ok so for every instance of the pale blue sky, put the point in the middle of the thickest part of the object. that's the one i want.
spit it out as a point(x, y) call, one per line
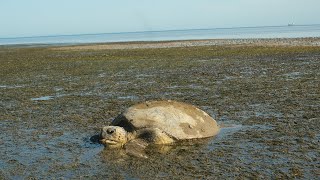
point(22, 18)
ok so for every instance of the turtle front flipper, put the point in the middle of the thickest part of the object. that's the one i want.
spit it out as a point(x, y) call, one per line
point(136, 147)
point(154, 136)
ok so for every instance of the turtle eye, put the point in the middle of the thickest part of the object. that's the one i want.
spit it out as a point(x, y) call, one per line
point(110, 131)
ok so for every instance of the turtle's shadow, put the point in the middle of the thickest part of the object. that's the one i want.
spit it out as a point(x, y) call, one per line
point(95, 138)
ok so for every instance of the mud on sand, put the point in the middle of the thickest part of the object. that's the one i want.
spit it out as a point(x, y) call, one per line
point(266, 94)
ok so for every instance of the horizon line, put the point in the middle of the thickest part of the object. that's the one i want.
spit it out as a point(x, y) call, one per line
point(168, 30)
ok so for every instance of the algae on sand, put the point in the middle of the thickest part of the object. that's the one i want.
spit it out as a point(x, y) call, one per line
point(272, 90)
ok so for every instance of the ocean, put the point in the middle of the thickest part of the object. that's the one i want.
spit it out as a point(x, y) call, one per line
point(294, 31)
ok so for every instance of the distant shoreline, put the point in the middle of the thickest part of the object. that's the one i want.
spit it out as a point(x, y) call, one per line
point(306, 41)
point(266, 32)
point(192, 43)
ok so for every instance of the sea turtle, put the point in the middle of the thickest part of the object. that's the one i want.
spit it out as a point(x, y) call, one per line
point(157, 122)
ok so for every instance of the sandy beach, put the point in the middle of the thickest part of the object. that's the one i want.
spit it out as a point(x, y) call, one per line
point(192, 43)
point(263, 92)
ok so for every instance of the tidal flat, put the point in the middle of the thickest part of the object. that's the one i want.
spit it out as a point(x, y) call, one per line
point(265, 94)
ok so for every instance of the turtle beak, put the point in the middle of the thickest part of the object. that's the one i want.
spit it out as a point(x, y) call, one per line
point(108, 142)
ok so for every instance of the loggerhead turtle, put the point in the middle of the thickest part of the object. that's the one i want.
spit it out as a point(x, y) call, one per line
point(157, 122)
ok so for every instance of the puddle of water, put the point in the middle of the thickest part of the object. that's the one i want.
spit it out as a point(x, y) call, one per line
point(204, 60)
point(226, 78)
point(133, 97)
point(175, 87)
point(10, 87)
point(227, 130)
point(90, 154)
point(230, 127)
point(194, 86)
point(102, 75)
point(191, 86)
point(144, 75)
point(123, 83)
point(43, 98)
point(293, 75)
point(58, 88)
point(46, 98)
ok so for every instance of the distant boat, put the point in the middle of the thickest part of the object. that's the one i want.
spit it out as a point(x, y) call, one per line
point(291, 24)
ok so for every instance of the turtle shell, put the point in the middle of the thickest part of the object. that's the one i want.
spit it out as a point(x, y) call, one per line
point(179, 120)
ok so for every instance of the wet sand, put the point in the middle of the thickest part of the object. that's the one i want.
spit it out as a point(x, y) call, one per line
point(193, 43)
point(265, 93)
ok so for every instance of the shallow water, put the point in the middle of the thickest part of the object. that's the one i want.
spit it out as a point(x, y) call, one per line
point(10, 86)
point(43, 98)
point(217, 33)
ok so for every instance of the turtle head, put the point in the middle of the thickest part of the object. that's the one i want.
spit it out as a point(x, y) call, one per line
point(113, 136)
